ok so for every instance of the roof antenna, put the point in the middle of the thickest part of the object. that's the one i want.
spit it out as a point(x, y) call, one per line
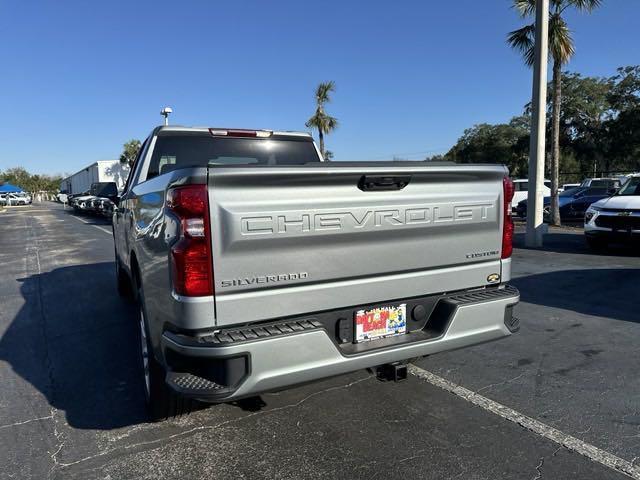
point(165, 112)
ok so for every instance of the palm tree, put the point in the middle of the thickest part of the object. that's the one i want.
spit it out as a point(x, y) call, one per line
point(561, 49)
point(320, 119)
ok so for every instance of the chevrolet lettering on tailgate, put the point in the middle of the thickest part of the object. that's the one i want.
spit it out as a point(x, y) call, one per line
point(301, 222)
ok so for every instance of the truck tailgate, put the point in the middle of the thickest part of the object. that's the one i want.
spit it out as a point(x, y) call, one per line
point(295, 240)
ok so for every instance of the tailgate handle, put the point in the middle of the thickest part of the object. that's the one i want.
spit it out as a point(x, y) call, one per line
point(370, 183)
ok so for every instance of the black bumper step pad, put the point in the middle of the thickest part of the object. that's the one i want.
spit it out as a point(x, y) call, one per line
point(191, 383)
point(483, 295)
point(229, 337)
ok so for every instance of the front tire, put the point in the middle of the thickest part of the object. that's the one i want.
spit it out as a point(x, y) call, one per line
point(162, 402)
point(596, 244)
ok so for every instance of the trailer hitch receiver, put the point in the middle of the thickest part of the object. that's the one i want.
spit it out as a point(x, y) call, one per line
point(395, 372)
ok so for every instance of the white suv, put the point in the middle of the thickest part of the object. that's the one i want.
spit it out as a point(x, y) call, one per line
point(616, 218)
point(17, 199)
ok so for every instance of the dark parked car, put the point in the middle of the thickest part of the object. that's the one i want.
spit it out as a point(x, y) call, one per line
point(573, 203)
point(563, 197)
point(88, 201)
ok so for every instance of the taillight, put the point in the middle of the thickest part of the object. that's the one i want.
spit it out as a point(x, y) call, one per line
point(191, 261)
point(508, 190)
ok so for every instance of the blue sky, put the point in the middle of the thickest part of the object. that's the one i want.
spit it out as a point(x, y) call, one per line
point(79, 78)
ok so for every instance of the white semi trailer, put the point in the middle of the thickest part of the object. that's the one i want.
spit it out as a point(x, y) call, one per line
point(100, 171)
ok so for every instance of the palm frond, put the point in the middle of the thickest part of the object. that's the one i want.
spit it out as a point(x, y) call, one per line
point(561, 44)
point(585, 5)
point(331, 123)
point(525, 8)
point(321, 121)
point(315, 121)
point(324, 90)
point(523, 40)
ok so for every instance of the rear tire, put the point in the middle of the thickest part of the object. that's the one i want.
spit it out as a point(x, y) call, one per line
point(596, 244)
point(162, 402)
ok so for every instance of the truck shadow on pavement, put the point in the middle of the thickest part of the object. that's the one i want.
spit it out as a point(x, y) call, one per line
point(75, 341)
point(608, 292)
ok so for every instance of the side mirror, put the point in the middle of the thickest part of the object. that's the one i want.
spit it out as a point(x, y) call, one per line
point(613, 191)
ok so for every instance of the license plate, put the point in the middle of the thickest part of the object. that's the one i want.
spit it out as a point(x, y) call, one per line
point(380, 322)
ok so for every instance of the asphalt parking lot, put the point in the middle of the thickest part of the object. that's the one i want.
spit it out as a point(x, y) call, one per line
point(71, 401)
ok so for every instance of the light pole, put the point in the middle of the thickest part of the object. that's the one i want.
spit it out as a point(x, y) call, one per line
point(535, 199)
point(165, 112)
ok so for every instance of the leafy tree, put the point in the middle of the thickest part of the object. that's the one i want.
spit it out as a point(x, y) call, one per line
point(561, 48)
point(130, 151)
point(624, 140)
point(17, 176)
point(584, 109)
point(623, 125)
point(31, 183)
point(324, 122)
point(625, 88)
point(599, 129)
point(505, 143)
point(598, 121)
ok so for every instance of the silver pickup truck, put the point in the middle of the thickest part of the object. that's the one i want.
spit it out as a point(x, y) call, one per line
point(256, 265)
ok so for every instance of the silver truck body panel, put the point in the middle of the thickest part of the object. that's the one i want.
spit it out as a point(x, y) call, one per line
point(295, 240)
point(142, 229)
point(297, 300)
point(316, 356)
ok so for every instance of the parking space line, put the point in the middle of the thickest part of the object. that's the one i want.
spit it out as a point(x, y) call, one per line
point(550, 433)
point(11, 210)
point(105, 230)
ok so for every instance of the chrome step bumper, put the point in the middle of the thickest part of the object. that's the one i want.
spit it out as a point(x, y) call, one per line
point(295, 353)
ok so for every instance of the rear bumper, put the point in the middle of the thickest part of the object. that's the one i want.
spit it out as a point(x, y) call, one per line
point(273, 362)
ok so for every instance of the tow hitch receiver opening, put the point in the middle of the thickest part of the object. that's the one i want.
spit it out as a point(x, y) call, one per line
point(395, 372)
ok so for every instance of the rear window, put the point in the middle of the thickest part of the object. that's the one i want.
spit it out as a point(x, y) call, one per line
point(175, 151)
point(605, 183)
point(632, 187)
point(104, 189)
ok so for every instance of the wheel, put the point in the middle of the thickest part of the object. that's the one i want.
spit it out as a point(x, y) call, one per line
point(162, 402)
point(597, 244)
